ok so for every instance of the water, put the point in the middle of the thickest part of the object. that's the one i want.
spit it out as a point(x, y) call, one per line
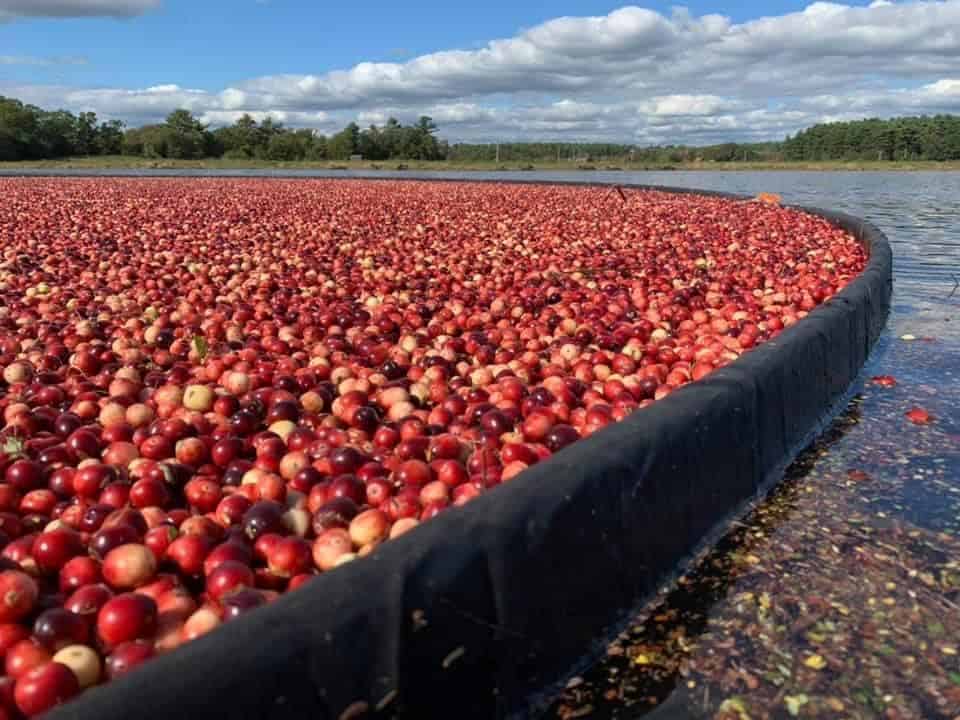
point(839, 596)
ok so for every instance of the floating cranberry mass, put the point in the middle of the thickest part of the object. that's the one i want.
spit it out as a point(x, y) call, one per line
point(215, 390)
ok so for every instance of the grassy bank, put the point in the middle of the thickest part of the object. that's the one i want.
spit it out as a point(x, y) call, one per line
point(138, 163)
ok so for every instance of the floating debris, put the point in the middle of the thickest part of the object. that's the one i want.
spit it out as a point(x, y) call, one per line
point(919, 416)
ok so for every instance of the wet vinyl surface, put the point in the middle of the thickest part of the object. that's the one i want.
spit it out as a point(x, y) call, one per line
point(839, 596)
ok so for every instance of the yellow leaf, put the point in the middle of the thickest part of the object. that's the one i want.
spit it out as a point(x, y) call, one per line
point(735, 705)
point(794, 703)
point(768, 198)
point(641, 660)
point(816, 662)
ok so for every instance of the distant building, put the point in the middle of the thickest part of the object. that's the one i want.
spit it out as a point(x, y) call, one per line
point(356, 157)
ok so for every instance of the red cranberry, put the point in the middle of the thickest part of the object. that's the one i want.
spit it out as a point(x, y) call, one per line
point(45, 687)
point(126, 656)
point(126, 617)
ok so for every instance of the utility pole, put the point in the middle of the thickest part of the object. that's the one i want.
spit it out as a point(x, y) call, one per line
point(498, 153)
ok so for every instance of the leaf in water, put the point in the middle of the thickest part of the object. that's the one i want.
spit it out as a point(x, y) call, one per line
point(735, 705)
point(794, 703)
point(954, 677)
point(815, 662)
point(768, 198)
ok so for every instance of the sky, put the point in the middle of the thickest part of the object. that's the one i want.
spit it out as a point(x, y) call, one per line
point(497, 70)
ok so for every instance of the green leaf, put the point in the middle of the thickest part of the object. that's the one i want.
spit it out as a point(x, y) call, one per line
point(794, 703)
point(13, 447)
point(200, 345)
point(736, 706)
point(954, 677)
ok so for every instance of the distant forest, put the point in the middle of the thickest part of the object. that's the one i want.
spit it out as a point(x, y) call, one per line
point(31, 133)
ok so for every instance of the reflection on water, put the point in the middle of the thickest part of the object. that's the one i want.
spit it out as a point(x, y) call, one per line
point(839, 596)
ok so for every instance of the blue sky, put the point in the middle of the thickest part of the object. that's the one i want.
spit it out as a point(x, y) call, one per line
point(575, 70)
point(190, 43)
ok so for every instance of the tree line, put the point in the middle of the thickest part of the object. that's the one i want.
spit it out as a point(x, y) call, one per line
point(183, 136)
point(934, 137)
point(533, 151)
point(28, 132)
point(31, 133)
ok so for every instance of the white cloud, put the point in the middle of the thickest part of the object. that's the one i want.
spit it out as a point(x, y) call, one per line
point(633, 74)
point(687, 105)
point(943, 88)
point(11, 9)
point(634, 48)
point(35, 61)
point(313, 120)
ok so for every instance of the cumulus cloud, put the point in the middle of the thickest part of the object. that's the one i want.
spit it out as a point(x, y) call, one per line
point(631, 75)
point(11, 9)
point(312, 120)
point(634, 49)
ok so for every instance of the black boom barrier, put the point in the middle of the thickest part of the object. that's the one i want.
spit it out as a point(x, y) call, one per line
point(475, 612)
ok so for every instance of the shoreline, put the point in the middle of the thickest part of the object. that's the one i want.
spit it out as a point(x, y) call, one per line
point(137, 163)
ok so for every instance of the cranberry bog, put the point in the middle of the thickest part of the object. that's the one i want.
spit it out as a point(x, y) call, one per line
point(341, 449)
